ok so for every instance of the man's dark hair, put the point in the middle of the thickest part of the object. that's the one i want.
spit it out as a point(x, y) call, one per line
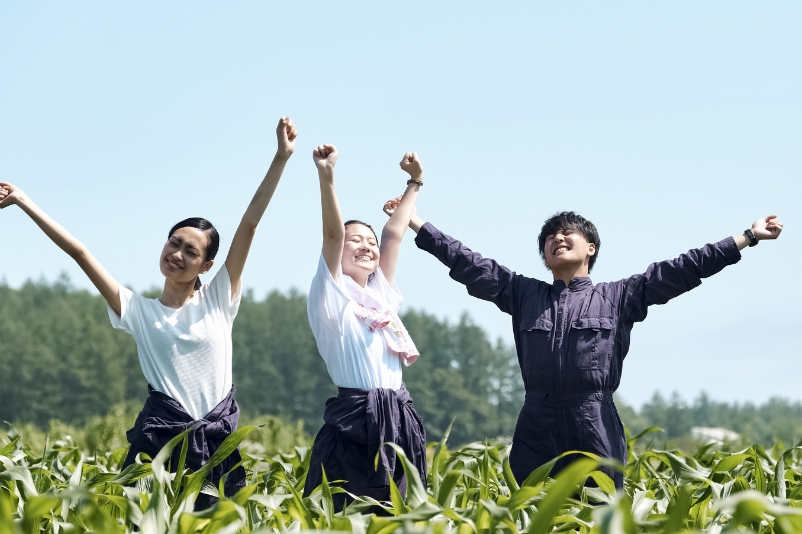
point(568, 221)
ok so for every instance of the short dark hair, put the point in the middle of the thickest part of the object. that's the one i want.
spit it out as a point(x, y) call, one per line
point(355, 221)
point(572, 222)
point(212, 238)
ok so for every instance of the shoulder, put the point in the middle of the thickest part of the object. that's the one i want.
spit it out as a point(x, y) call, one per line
point(530, 286)
point(130, 299)
point(609, 291)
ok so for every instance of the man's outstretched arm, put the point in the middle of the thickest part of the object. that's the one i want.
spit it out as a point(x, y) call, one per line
point(665, 280)
point(484, 278)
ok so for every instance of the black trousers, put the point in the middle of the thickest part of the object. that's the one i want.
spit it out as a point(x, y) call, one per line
point(357, 423)
point(550, 424)
point(162, 418)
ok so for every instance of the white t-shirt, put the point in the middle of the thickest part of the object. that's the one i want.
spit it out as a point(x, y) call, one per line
point(355, 356)
point(185, 352)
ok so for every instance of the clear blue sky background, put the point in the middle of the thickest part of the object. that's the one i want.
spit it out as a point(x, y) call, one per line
point(669, 125)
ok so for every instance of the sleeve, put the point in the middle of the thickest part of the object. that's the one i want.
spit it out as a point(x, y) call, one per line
point(219, 289)
point(484, 278)
point(125, 320)
point(665, 280)
point(389, 292)
point(328, 298)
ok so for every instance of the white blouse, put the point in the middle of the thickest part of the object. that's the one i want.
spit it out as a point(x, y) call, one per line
point(186, 352)
point(355, 356)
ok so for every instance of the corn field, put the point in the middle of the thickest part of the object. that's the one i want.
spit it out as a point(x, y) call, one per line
point(470, 491)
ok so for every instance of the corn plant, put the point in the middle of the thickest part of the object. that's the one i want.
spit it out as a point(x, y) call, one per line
point(471, 490)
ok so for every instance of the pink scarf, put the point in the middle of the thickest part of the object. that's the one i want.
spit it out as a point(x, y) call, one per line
point(377, 315)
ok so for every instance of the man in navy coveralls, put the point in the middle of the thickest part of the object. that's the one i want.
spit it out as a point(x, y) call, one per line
point(572, 335)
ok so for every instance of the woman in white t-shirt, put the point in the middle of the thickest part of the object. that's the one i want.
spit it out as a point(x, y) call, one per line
point(353, 311)
point(183, 337)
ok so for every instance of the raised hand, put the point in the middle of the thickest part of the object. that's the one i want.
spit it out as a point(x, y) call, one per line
point(411, 165)
point(325, 157)
point(767, 228)
point(286, 132)
point(391, 205)
point(10, 195)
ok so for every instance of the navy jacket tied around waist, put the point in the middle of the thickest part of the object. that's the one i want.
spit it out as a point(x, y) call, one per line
point(572, 340)
point(162, 418)
point(367, 419)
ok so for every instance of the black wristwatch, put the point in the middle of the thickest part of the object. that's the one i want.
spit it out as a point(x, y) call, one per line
point(751, 236)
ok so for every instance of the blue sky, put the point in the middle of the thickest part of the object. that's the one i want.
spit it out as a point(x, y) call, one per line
point(668, 125)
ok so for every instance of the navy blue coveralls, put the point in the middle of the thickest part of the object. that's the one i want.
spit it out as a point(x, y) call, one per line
point(571, 342)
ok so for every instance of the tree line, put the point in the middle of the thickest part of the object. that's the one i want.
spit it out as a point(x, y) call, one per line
point(60, 359)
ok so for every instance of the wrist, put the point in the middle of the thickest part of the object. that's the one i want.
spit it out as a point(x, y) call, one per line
point(751, 237)
point(415, 222)
point(282, 155)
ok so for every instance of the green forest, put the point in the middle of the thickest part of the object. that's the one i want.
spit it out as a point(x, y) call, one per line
point(60, 359)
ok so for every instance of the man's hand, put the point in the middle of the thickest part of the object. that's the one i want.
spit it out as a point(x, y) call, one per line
point(391, 205)
point(325, 157)
point(286, 132)
point(768, 228)
point(10, 195)
point(411, 165)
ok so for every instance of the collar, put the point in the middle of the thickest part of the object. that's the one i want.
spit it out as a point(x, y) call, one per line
point(578, 283)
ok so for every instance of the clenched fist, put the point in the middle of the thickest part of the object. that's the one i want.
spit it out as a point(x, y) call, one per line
point(325, 157)
point(411, 165)
point(767, 228)
point(286, 132)
point(10, 195)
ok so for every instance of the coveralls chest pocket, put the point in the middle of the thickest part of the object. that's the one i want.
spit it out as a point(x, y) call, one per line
point(592, 342)
point(536, 337)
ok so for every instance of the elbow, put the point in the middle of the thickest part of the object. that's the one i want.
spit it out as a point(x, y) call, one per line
point(77, 251)
point(249, 220)
point(249, 226)
point(391, 234)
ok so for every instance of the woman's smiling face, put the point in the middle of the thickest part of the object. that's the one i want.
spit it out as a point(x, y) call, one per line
point(360, 251)
point(183, 256)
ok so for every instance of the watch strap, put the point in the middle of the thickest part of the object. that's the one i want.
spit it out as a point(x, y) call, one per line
point(751, 236)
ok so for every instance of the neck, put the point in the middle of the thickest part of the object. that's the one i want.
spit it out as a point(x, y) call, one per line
point(569, 272)
point(176, 294)
point(360, 277)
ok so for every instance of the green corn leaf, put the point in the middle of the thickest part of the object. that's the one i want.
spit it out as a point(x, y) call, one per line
point(604, 482)
point(22, 475)
point(565, 484)
point(447, 488)
point(416, 491)
point(729, 463)
point(519, 499)
point(438, 451)
point(327, 502)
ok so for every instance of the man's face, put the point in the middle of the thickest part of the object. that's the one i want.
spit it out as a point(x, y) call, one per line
point(566, 248)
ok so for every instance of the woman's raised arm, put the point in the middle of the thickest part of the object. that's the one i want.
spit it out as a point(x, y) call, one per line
point(286, 132)
point(393, 231)
point(325, 157)
point(100, 277)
